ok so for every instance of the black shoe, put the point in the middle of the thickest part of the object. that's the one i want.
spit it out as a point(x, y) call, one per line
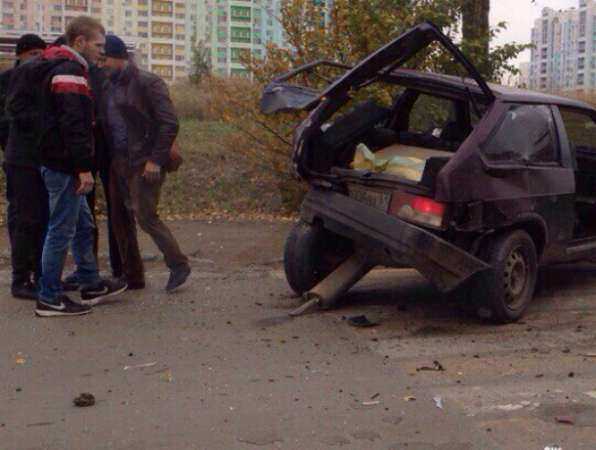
point(64, 307)
point(177, 278)
point(70, 284)
point(24, 291)
point(94, 294)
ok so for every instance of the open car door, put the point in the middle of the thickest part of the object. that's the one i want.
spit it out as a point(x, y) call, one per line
point(281, 95)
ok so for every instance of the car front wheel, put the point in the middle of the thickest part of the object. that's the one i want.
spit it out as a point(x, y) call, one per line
point(504, 292)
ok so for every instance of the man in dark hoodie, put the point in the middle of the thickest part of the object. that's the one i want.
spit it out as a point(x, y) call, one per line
point(25, 191)
point(66, 152)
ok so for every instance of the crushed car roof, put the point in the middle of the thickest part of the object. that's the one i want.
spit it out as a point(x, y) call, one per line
point(503, 93)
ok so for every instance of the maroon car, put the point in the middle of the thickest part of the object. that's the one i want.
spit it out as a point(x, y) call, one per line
point(473, 184)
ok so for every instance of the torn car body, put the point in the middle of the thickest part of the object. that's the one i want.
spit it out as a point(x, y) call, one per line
point(463, 180)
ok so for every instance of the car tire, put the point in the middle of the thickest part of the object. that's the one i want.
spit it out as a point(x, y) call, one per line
point(311, 253)
point(503, 293)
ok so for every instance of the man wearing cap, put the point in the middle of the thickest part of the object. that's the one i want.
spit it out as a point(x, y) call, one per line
point(25, 190)
point(141, 126)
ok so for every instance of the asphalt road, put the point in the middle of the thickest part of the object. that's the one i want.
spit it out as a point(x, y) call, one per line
point(221, 366)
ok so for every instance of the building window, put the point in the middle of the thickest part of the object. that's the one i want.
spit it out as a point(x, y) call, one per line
point(581, 47)
point(240, 34)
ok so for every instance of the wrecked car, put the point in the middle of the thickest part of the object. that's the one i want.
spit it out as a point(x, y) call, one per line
point(475, 185)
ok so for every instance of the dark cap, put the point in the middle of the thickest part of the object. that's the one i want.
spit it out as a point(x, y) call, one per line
point(115, 47)
point(60, 40)
point(29, 42)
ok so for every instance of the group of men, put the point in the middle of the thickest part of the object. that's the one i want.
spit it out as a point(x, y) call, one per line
point(73, 111)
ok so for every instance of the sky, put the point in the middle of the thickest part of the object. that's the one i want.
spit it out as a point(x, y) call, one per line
point(520, 15)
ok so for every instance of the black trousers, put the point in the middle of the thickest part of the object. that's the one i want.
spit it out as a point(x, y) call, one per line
point(27, 212)
point(115, 258)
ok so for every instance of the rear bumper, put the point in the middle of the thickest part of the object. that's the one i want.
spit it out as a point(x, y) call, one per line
point(444, 264)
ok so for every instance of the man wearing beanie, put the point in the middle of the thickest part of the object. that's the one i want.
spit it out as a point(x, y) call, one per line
point(25, 191)
point(141, 126)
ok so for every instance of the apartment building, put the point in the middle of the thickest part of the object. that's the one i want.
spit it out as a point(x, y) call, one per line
point(232, 28)
point(564, 53)
point(161, 30)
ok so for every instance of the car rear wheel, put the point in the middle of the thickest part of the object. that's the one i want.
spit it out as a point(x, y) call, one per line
point(504, 292)
point(311, 253)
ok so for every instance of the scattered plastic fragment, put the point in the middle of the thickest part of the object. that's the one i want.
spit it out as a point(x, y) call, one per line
point(361, 322)
point(410, 398)
point(85, 399)
point(373, 403)
point(436, 367)
point(375, 396)
point(167, 376)
point(438, 402)
point(568, 420)
point(553, 447)
point(141, 366)
point(591, 394)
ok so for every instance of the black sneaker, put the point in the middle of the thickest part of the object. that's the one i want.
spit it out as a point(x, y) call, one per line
point(64, 307)
point(177, 278)
point(94, 294)
point(24, 291)
point(70, 284)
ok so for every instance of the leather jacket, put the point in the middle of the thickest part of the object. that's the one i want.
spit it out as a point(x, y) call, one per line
point(151, 122)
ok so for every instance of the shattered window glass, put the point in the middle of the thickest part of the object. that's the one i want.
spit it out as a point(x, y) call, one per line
point(581, 129)
point(527, 135)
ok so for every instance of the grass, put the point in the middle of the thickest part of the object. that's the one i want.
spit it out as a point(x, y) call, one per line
point(213, 181)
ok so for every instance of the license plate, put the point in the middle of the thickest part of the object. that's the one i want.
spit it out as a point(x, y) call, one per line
point(376, 199)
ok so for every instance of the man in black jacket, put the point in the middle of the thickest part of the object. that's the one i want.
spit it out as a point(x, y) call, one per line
point(141, 126)
point(25, 191)
point(67, 158)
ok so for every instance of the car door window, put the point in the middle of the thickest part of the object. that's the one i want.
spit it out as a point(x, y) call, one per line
point(525, 135)
point(430, 115)
point(581, 130)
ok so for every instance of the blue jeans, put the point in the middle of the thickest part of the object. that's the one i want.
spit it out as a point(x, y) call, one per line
point(70, 222)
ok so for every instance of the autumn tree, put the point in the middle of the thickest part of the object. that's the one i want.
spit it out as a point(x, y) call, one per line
point(354, 29)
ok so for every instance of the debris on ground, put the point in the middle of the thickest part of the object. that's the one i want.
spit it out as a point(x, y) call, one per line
point(373, 403)
point(591, 394)
point(361, 321)
point(85, 399)
point(167, 376)
point(588, 355)
point(141, 366)
point(375, 396)
point(438, 402)
point(553, 447)
point(20, 360)
point(410, 398)
point(568, 420)
point(436, 367)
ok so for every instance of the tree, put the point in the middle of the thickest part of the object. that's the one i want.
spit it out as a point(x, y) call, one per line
point(476, 28)
point(200, 63)
point(355, 29)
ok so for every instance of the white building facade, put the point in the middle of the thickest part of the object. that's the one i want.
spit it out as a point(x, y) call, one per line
point(564, 53)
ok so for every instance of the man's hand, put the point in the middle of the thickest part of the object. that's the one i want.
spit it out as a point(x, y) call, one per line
point(86, 183)
point(152, 172)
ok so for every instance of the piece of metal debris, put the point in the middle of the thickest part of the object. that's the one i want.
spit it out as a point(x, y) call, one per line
point(361, 322)
point(568, 420)
point(85, 399)
point(436, 367)
point(410, 398)
point(141, 366)
point(373, 403)
point(438, 402)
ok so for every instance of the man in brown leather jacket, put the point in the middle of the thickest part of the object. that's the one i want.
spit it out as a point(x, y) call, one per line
point(140, 128)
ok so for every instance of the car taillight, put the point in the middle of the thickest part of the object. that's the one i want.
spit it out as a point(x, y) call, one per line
point(418, 209)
